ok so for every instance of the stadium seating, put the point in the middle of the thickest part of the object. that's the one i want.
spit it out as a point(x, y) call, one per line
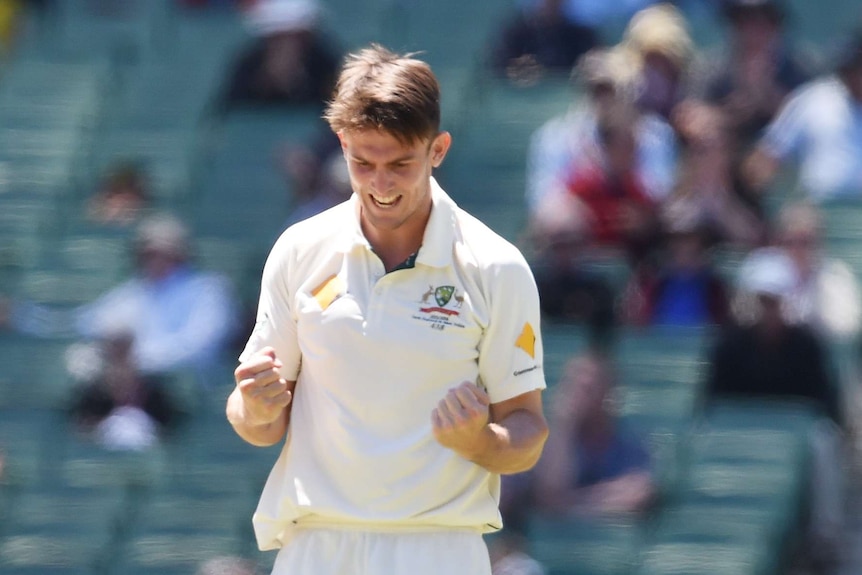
point(67, 530)
point(86, 89)
point(585, 547)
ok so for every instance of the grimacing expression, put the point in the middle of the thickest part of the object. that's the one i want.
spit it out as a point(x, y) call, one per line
point(392, 178)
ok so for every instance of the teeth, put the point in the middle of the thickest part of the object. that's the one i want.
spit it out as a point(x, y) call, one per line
point(386, 202)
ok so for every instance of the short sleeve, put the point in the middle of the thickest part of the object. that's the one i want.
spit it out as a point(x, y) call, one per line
point(510, 352)
point(275, 324)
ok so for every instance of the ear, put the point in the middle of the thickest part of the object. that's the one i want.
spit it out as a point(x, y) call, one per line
point(341, 140)
point(439, 148)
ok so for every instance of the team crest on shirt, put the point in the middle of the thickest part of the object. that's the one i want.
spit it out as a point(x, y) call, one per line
point(440, 306)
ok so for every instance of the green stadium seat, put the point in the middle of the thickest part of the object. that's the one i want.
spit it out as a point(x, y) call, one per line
point(166, 155)
point(662, 354)
point(584, 547)
point(82, 463)
point(23, 387)
point(25, 442)
point(711, 558)
point(710, 523)
point(667, 405)
point(561, 342)
point(777, 487)
point(61, 531)
point(796, 416)
point(68, 287)
point(177, 527)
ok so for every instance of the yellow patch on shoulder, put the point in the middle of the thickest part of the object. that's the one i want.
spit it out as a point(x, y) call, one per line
point(325, 293)
point(527, 340)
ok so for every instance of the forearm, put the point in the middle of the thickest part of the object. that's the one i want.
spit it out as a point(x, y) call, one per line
point(261, 435)
point(511, 445)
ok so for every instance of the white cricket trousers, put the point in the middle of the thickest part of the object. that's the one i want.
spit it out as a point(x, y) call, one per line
point(325, 551)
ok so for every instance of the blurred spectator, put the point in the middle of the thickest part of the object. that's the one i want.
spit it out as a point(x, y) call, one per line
point(683, 288)
point(179, 317)
point(569, 290)
point(751, 81)
point(539, 40)
point(227, 565)
point(826, 295)
point(706, 188)
point(619, 211)
point(290, 62)
point(592, 464)
point(122, 196)
point(318, 177)
point(120, 407)
point(768, 357)
point(820, 127)
point(659, 41)
point(766, 354)
point(597, 14)
point(565, 142)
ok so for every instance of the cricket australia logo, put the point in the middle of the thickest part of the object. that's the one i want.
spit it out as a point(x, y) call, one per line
point(441, 306)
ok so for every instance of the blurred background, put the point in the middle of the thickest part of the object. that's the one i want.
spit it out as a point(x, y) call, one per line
point(685, 179)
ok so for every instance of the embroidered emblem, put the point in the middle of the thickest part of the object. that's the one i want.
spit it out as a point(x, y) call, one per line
point(440, 306)
point(328, 291)
point(527, 340)
point(443, 294)
point(427, 294)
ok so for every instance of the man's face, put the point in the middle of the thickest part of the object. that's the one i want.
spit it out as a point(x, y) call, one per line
point(755, 28)
point(391, 178)
point(156, 264)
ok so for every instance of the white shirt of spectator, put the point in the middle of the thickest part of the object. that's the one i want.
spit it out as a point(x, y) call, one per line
point(821, 125)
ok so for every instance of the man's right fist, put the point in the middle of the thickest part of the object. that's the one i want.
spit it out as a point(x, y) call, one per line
point(265, 393)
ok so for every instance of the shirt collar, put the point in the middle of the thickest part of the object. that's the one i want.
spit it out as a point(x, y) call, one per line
point(436, 249)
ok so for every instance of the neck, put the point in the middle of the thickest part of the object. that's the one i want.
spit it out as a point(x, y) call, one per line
point(395, 246)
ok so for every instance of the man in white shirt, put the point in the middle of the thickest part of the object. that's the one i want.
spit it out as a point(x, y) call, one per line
point(566, 143)
point(398, 350)
point(179, 318)
point(821, 127)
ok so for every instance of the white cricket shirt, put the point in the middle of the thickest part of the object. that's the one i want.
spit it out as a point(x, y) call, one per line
point(373, 353)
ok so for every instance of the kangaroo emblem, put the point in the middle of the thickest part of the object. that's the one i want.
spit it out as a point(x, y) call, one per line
point(427, 294)
point(459, 300)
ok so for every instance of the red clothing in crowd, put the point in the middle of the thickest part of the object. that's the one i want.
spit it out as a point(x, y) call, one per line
point(607, 200)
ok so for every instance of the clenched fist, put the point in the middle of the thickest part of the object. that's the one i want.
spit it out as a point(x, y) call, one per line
point(265, 394)
point(460, 419)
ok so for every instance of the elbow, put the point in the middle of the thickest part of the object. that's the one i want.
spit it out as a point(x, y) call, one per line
point(542, 434)
point(537, 445)
point(266, 436)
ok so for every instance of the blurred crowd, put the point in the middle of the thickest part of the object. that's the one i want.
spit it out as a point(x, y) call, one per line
point(705, 178)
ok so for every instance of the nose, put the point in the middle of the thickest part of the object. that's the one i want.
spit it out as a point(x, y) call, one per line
point(382, 181)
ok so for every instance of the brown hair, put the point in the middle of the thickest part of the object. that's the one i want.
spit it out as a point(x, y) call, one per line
point(386, 91)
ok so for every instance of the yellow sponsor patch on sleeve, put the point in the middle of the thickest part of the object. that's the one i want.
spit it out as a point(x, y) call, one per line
point(527, 340)
point(325, 293)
